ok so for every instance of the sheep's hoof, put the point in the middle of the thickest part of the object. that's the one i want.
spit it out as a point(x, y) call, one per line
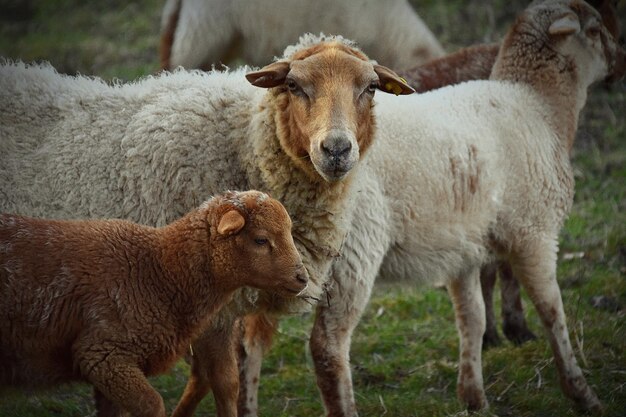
point(518, 334)
point(491, 339)
point(472, 397)
point(592, 404)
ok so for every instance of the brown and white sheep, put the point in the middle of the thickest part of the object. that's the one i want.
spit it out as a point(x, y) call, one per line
point(202, 33)
point(144, 151)
point(111, 302)
point(476, 63)
point(462, 172)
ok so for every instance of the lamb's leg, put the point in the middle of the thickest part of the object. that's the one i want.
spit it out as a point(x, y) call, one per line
point(487, 284)
point(535, 267)
point(513, 322)
point(258, 331)
point(470, 319)
point(123, 385)
point(106, 408)
point(213, 366)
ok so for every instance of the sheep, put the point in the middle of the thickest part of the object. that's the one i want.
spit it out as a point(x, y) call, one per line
point(464, 171)
point(202, 33)
point(475, 63)
point(111, 302)
point(77, 147)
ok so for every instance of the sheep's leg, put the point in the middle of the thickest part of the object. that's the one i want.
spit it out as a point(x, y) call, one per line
point(120, 386)
point(330, 340)
point(213, 367)
point(470, 319)
point(487, 284)
point(338, 314)
point(536, 269)
point(513, 322)
point(258, 331)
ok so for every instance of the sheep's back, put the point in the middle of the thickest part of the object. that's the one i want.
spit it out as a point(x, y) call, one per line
point(147, 151)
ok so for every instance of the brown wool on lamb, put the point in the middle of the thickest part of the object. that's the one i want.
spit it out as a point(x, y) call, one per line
point(110, 302)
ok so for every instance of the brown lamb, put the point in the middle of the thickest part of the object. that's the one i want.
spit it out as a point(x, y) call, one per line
point(110, 302)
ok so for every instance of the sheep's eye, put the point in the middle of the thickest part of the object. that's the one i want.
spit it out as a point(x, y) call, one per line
point(593, 31)
point(292, 86)
point(372, 87)
point(260, 241)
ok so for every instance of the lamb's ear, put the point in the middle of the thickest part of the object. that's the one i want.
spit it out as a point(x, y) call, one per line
point(567, 24)
point(390, 82)
point(270, 75)
point(230, 223)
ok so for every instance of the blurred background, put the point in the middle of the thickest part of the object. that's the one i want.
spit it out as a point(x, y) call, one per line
point(405, 351)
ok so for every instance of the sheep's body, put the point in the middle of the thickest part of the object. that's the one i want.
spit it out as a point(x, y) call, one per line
point(155, 126)
point(467, 64)
point(109, 301)
point(475, 63)
point(476, 196)
point(198, 33)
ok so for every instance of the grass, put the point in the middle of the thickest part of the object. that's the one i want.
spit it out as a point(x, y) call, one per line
point(404, 352)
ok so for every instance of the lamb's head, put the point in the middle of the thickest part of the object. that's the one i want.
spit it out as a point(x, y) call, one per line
point(585, 38)
point(324, 95)
point(252, 243)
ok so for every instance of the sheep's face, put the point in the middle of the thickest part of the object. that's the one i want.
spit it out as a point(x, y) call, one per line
point(324, 97)
point(587, 38)
point(256, 245)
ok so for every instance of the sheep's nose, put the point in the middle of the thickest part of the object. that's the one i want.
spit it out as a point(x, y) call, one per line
point(336, 146)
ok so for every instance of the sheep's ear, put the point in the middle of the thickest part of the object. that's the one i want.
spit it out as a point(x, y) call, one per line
point(271, 75)
point(390, 82)
point(230, 223)
point(565, 25)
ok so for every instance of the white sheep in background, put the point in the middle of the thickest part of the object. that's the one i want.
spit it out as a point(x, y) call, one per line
point(462, 172)
point(149, 151)
point(475, 63)
point(110, 302)
point(202, 33)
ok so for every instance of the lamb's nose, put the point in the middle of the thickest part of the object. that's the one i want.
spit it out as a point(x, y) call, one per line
point(336, 146)
point(302, 277)
point(301, 274)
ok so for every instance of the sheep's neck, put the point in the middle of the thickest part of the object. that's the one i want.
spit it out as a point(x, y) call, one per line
point(319, 208)
point(188, 285)
point(528, 60)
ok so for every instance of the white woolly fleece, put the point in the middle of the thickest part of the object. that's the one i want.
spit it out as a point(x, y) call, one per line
point(213, 31)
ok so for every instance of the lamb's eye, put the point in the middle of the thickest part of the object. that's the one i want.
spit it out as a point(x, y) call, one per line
point(372, 87)
point(260, 241)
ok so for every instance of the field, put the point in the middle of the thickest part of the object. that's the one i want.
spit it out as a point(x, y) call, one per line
point(405, 350)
